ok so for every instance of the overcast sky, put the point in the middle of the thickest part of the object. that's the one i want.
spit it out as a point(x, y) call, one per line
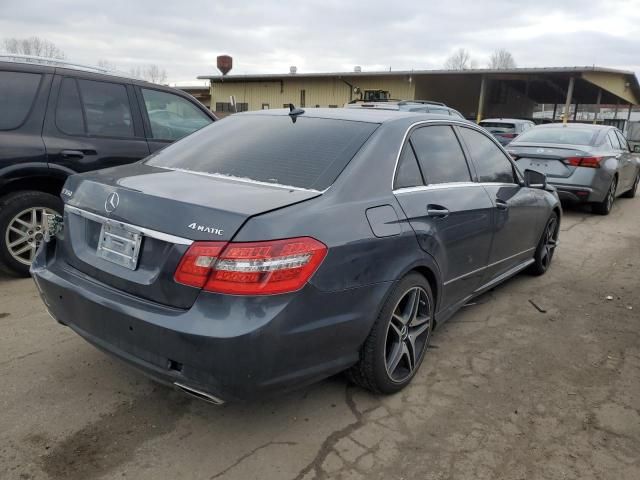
point(184, 37)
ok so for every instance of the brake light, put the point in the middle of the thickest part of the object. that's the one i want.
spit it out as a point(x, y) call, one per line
point(251, 268)
point(589, 162)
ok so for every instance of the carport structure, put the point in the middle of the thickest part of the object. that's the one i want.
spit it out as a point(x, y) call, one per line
point(476, 93)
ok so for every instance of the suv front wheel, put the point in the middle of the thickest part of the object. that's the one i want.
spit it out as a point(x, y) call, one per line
point(22, 228)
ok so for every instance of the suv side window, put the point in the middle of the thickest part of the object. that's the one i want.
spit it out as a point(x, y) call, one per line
point(440, 155)
point(106, 109)
point(408, 173)
point(171, 116)
point(17, 94)
point(69, 118)
point(492, 165)
point(623, 141)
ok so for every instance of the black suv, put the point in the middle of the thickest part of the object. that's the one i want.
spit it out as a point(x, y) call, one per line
point(56, 121)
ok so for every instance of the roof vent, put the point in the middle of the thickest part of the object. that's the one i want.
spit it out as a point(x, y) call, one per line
point(357, 69)
point(293, 69)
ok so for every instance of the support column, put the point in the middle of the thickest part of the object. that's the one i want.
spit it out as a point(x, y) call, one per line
point(598, 101)
point(555, 109)
point(626, 125)
point(567, 103)
point(483, 88)
point(615, 111)
point(575, 113)
point(212, 104)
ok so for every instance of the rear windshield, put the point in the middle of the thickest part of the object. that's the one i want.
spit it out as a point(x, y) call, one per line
point(505, 126)
point(563, 135)
point(17, 93)
point(308, 153)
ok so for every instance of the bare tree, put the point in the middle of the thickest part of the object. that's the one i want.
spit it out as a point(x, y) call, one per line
point(33, 46)
point(501, 59)
point(107, 65)
point(151, 73)
point(460, 60)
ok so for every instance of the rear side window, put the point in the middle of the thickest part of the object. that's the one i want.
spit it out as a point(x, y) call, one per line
point(440, 155)
point(106, 109)
point(408, 172)
point(17, 94)
point(562, 135)
point(171, 116)
point(623, 141)
point(492, 165)
point(307, 153)
point(613, 140)
point(69, 117)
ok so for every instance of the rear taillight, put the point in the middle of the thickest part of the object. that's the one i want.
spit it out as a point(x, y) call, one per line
point(508, 135)
point(251, 268)
point(589, 162)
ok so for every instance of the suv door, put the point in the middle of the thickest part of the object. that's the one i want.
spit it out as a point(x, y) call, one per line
point(627, 164)
point(450, 214)
point(516, 209)
point(169, 116)
point(92, 124)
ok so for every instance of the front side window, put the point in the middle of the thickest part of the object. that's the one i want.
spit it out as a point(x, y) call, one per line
point(440, 155)
point(106, 109)
point(17, 94)
point(492, 165)
point(171, 116)
point(408, 173)
point(309, 153)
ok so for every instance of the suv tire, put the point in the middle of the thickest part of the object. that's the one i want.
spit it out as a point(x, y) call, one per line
point(18, 212)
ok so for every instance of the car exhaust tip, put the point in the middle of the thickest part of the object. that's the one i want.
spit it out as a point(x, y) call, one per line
point(194, 392)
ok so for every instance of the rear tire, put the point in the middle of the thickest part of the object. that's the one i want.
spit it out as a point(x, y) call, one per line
point(546, 246)
point(632, 192)
point(22, 228)
point(604, 207)
point(394, 350)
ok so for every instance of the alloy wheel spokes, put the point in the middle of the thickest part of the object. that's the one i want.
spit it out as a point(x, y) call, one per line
point(408, 332)
point(25, 233)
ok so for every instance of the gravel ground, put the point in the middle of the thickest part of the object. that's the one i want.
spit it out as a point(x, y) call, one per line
point(506, 392)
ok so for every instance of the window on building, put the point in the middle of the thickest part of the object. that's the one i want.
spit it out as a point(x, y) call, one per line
point(265, 106)
point(17, 94)
point(333, 106)
point(227, 107)
point(440, 155)
point(492, 165)
point(303, 98)
point(376, 95)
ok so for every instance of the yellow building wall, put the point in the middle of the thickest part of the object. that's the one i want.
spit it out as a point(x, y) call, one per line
point(318, 91)
point(614, 83)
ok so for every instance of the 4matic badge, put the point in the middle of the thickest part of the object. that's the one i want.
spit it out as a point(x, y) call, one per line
point(203, 228)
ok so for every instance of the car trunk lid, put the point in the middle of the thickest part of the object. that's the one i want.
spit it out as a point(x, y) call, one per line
point(548, 159)
point(160, 212)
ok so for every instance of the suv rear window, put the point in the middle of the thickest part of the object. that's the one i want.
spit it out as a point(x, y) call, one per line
point(307, 153)
point(563, 135)
point(17, 93)
point(496, 125)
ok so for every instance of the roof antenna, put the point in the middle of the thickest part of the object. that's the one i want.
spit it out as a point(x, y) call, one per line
point(294, 112)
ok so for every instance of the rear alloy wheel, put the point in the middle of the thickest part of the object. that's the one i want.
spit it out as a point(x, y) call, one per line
point(604, 207)
point(546, 246)
point(632, 192)
point(396, 346)
point(22, 228)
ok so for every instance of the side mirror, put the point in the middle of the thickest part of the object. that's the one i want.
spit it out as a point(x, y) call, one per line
point(533, 179)
point(636, 148)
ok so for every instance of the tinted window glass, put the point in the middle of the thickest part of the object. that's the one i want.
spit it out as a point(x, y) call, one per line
point(171, 116)
point(565, 135)
point(309, 153)
point(69, 109)
point(623, 141)
point(106, 108)
point(491, 164)
point(17, 93)
point(613, 140)
point(408, 174)
point(498, 126)
point(440, 155)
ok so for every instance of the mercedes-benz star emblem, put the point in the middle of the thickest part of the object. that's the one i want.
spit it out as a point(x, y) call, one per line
point(111, 203)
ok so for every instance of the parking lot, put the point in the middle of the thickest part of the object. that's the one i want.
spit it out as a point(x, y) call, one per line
point(537, 379)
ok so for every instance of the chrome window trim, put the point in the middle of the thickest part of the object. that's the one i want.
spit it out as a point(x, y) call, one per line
point(165, 237)
point(441, 186)
point(449, 122)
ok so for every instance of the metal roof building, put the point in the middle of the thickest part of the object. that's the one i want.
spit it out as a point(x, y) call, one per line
point(477, 93)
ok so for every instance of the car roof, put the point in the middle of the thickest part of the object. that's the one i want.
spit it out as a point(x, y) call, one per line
point(505, 120)
point(359, 114)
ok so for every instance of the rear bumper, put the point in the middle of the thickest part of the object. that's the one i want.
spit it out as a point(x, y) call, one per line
point(235, 348)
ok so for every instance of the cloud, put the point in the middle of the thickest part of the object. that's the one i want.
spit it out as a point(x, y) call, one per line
point(185, 37)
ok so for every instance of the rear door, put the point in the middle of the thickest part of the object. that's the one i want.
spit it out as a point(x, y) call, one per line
point(627, 164)
point(169, 116)
point(450, 214)
point(516, 209)
point(92, 123)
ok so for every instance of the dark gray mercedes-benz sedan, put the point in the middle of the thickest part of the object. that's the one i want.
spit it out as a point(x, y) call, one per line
point(276, 248)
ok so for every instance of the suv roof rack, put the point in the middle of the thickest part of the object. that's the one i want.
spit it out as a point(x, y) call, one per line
point(54, 62)
point(422, 102)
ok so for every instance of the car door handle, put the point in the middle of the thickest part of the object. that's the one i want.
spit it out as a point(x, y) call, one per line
point(72, 154)
point(437, 211)
point(501, 204)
